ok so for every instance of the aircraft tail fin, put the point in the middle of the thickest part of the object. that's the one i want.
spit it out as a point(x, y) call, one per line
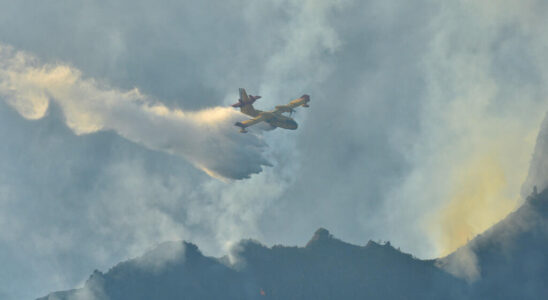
point(245, 103)
point(243, 96)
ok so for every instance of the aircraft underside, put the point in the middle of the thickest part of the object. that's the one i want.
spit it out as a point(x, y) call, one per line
point(286, 124)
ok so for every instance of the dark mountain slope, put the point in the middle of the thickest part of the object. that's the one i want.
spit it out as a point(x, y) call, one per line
point(509, 261)
point(326, 268)
point(173, 270)
point(511, 258)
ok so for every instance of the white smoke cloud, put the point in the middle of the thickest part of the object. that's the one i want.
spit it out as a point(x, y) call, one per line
point(129, 208)
point(467, 113)
point(161, 256)
point(478, 116)
point(463, 264)
point(206, 138)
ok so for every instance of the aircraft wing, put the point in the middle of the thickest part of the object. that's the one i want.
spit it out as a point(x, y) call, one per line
point(299, 101)
point(243, 125)
point(302, 101)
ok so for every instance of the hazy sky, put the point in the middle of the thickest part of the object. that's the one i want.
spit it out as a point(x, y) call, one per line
point(422, 124)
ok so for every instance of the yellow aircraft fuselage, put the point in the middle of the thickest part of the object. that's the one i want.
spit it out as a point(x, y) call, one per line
point(275, 118)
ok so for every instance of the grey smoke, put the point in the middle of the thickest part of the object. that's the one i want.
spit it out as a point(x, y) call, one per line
point(370, 158)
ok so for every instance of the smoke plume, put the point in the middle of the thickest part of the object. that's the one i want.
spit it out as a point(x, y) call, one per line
point(206, 138)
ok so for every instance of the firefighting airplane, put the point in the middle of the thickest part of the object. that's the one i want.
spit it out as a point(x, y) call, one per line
point(274, 117)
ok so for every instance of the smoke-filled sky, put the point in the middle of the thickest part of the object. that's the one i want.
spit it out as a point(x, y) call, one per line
point(115, 133)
